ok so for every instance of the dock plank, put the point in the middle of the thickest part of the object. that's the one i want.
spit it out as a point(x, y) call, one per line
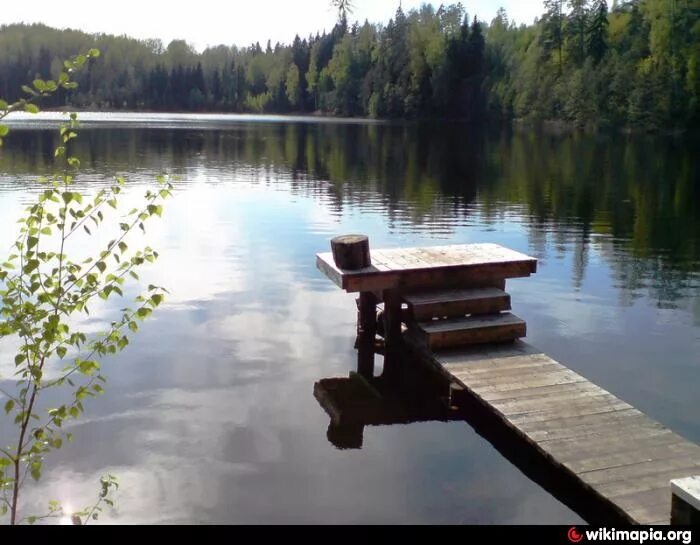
point(641, 455)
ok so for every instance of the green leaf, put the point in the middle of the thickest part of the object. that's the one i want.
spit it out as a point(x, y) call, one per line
point(8, 407)
point(88, 367)
point(61, 351)
point(4, 129)
point(101, 266)
point(31, 265)
point(35, 470)
point(31, 108)
point(19, 358)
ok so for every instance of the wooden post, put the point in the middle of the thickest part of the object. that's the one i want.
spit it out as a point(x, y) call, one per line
point(685, 501)
point(367, 333)
point(351, 252)
point(392, 333)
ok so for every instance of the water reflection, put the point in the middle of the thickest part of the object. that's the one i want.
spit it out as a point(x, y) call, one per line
point(420, 396)
point(209, 416)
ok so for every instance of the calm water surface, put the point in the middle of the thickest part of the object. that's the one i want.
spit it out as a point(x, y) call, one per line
point(209, 415)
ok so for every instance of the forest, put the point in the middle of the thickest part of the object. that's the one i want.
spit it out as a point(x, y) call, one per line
point(632, 64)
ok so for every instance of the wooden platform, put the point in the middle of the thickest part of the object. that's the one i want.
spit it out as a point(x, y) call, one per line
point(439, 266)
point(612, 449)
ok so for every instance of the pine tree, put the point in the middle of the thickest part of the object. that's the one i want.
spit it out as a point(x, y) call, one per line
point(552, 29)
point(598, 30)
point(577, 22)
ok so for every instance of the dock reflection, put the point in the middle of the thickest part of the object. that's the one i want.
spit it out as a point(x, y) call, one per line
point(355, 402)
point(420, 395)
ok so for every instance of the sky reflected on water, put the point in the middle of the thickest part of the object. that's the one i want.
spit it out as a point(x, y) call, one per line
point(209, 415)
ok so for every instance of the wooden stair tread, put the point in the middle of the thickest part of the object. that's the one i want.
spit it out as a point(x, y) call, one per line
point(464, 331)
point(456, 302)
point(470, 322)
point(418, 298)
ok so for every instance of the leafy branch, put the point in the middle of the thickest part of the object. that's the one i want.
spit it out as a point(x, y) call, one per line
point(43, 291)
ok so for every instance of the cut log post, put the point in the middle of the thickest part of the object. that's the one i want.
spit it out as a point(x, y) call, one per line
point(351, 252)
point(685, 501)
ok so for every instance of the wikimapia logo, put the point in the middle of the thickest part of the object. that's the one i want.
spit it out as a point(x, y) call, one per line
point(635, 536)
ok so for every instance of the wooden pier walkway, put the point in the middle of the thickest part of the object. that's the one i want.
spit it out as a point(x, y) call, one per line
point(447, 307)
point(614, 450)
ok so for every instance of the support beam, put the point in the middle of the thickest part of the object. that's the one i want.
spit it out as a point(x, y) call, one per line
point(392, 333)
point(367, 333)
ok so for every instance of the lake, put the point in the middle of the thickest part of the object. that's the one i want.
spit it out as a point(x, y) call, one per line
point(209, 415)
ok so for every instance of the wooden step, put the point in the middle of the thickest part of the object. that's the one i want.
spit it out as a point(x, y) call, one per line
point(490, 328)
point(457, 302)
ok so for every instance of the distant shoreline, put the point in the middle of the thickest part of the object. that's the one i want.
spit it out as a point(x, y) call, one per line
point(548, 126)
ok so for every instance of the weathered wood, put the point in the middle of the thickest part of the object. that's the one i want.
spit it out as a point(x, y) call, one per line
point(452, 303)
point(602, 450)
point(351, 252)
point(647, 482)
point(641, 455)
point(683, 462)
point(470, 330)
point(475, 265)
point(367, 332)
point(612, 450)
point(685, 503)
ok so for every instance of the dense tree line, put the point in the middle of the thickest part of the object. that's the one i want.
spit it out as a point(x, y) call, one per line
point(634, 64)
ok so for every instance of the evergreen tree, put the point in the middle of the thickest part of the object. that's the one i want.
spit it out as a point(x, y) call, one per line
point(598, 30)
point(552, 36)
point(576, 27)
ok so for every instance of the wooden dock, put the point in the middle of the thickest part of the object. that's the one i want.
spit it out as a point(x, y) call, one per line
point(612, 449)
point(447, 308)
